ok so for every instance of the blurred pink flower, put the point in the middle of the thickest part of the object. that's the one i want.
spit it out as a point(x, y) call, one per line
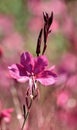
point(67, 104)
point(9, 53)
point(67, 25)
point(32, 69)
point(37, 7)
point(6, 25)
point(68, 71)
point(62, 99)
point(69, 118)
point(13, 42)
point(54, 27)
point(32, 26)
point(66, 101)
point(4, 77)
point(68, 63)
point(72, 82)
point(6, 115)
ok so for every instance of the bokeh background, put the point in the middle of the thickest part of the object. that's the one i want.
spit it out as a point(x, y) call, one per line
point(20, 24)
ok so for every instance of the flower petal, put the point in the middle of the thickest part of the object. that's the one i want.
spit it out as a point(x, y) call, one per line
point(6, 114)
point(22, 71)
point(13, 70)
point(27, 61)
point(47, 81)
point(40, 63)
point(15, 73)
point(47, 77)
point(47, 73)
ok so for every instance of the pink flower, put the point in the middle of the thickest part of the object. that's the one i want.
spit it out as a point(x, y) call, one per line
point(32, 22)
point(6, 114)
point(68, 109)
point(37, 7)
point(32, 69)
point(13, 42)
point(68, 63)
point(62, 99)
point(39, 21)
point(4, 80)
point(6, 25)
point(72, 82)
point(66, 101)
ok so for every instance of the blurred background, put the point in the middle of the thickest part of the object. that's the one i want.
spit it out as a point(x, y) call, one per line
point(20, 24)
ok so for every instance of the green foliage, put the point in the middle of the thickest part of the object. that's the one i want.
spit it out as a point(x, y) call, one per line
point(57, 45)
point(16, 9)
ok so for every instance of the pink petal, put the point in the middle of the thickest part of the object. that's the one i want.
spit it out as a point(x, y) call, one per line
point(62, 99)
point(6, 114)
point(47, 81)
point(27, 61)
point(22, 70)
point(22, 79)
point(47, 77)
point(47, 73)
point(40, 63)
point(13, 70)
point(14, 73)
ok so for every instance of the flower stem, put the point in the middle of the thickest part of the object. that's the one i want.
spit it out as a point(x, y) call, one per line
point(25, 120)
